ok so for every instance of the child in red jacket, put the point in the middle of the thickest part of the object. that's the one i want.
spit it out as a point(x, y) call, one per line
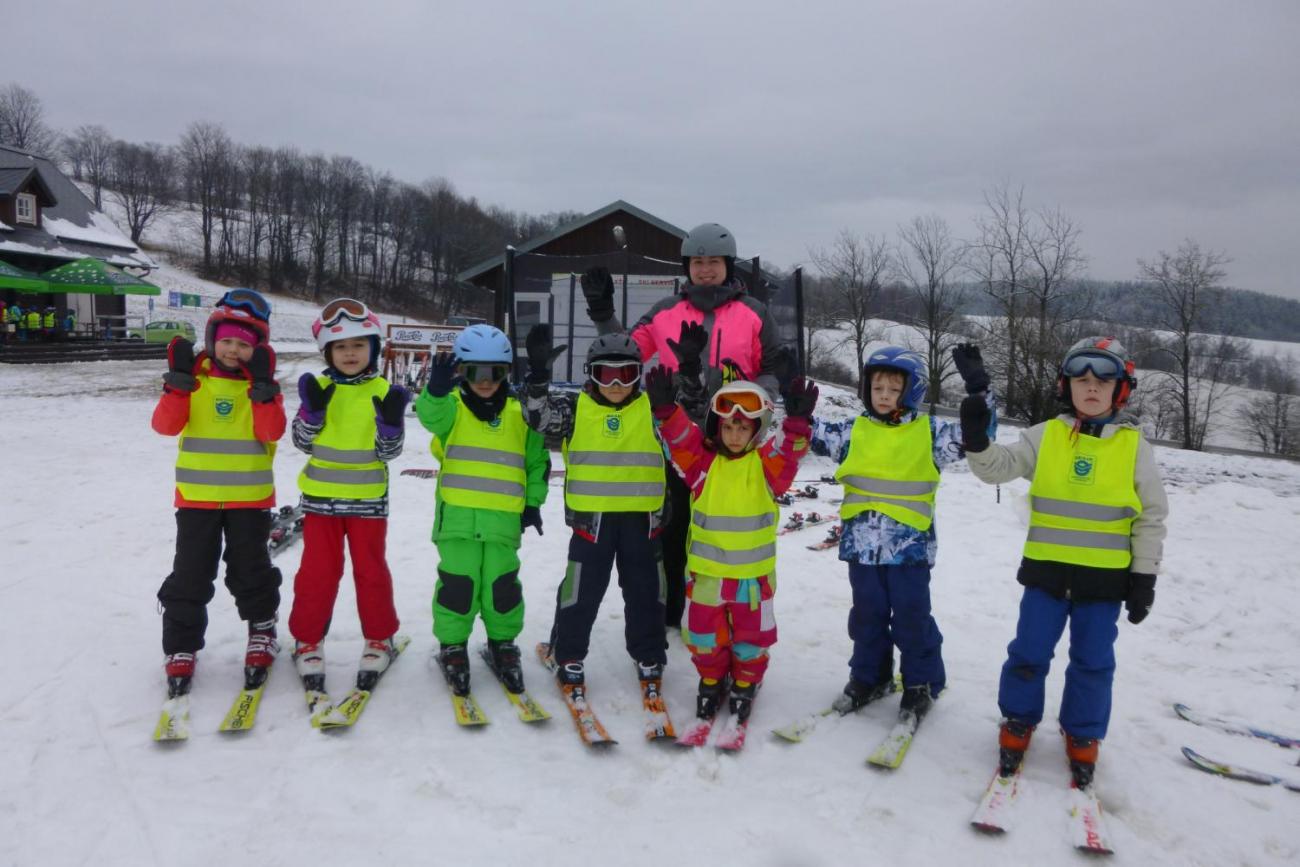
point(733, 475)
point(226, 406)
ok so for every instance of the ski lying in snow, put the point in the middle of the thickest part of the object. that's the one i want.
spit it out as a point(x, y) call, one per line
point(795, 731)
point(243, 710)
point(832, 539)
point(894, 747)
point(658, 726)
point(286, 528)
point(799, 521)
point(1235, 772)
point(526, 707)
point(174, 721)
point(465, 707)
point(1235, 728)
point(1087, 832)
point(591, 731)
point(993, 814)
point(346, 713)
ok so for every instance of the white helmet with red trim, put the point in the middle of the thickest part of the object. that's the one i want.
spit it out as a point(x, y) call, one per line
point(740, 396)
point(343, 318)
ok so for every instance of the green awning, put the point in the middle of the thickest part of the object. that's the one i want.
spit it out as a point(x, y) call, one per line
point(91, 276)
point(12, 277)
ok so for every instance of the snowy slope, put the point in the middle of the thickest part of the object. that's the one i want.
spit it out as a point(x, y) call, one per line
point(89, 537)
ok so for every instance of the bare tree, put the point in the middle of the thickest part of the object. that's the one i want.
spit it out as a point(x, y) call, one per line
point(928, 256)
point(142, 182)
point(205, 152)
point(854, 269)
point(1188, 282)
point(1273, 418)
point(22, 121)
point(91, 150)
point(999, 261)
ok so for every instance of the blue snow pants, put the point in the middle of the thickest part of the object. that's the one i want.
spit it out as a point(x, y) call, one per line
point(891, 607)
point(1085, 706)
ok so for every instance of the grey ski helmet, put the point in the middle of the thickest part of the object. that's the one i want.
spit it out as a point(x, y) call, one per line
point(709, 239)
point(618, 346)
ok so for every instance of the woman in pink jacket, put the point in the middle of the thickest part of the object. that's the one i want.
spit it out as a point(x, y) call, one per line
point(738, 340)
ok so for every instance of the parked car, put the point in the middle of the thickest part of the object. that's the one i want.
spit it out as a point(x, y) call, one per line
point(162, 331)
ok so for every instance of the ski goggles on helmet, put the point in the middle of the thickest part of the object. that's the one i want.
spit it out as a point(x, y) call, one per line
point(1103, 366)
point(247, 300)
point(747, 403)
point(478, 372)
point(625, 373)
point(344, 308)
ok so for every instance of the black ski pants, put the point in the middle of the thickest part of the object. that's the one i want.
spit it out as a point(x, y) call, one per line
point(674, 547)
point(250, 577)
point(623, 538)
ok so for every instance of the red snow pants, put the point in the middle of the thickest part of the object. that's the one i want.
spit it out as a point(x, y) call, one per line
point(316, 585)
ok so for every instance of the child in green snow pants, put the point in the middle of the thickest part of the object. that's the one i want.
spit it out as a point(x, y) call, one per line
point(477, 578)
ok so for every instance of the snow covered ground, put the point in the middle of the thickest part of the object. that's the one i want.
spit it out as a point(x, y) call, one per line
point(89, 535)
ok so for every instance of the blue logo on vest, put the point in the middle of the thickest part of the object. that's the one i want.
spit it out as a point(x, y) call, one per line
point(1082, 469)
point(612, 422)
point(495, 423)
point(224, 407)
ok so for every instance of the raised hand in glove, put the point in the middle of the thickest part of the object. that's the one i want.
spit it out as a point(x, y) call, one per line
point(390, 412)
point(690, 344)
point(531, 517)
point(442, 368)
point(801, 398)
point(970, 366)
point(598, 289)
point(179, 377)
point(541, 352)
point(314, 399)
point(260, 370)
point(660, 389)
point(1141, 596)
point(975, 418)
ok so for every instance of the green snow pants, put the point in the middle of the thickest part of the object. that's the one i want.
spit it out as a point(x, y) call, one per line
point(476, 577)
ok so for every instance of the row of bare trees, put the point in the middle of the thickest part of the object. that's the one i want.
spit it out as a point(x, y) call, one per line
point(304, 223)
point(1028, 263)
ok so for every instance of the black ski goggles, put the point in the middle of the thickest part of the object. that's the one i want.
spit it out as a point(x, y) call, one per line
point(248, 300)
point(474, 372)
point(1102, 366)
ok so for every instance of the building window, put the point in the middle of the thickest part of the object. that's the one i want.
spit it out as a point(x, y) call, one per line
point(26, 209)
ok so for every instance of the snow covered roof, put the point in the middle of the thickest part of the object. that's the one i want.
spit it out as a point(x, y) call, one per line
point(71, 228)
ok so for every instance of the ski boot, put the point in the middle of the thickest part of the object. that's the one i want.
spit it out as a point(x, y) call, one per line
point(741, 702)
point(1082, 754)
point(857, 695)
point(309, 659)
point(505, 660)
point(571, 673)
point(260, 652)
point(453, 659)
point(375, 659)
point(649, 671)
point(1013, 741)
point(916, 703)
point(709, 699)
point(180, 672)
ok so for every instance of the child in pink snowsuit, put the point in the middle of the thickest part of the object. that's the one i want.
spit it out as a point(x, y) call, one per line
point(733, 476)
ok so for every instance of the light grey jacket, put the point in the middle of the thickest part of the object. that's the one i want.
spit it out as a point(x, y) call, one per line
point(999, 463)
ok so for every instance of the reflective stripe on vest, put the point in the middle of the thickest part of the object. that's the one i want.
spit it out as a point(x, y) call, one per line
point(1083, 499)
point(733, 521)
point(343, 465)
point(218, 458)
point(890, 469)
point(482, 462)
point(614, 462)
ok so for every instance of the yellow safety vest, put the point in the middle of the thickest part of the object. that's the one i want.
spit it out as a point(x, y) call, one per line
point(482, 462)
point(1083, 501)
point(613, 462)
point(733, 521)
point(343, 465)
point(33, 321)
point(48, 320)
point(220, 461)
point(890, 469)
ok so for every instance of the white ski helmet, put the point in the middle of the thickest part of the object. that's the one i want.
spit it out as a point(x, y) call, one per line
point(740, 396)
point(344, 318)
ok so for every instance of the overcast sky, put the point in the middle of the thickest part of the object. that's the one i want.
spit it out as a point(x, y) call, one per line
point(1147, 121)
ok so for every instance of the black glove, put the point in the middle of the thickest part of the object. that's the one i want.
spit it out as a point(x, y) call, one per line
point(541, 352)
point(1141, 595)
point(598, 289)
point(261, 370)
point(180, 367)
point(688, 347)
point(659, 387)
point(975, 418)
point(531, 517)
point(801, 398)
point(390, 413)
point(970, 365)
point(315, 398)
point(442, 368)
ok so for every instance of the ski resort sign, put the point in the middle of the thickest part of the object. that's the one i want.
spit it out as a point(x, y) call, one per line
point(424, 336)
